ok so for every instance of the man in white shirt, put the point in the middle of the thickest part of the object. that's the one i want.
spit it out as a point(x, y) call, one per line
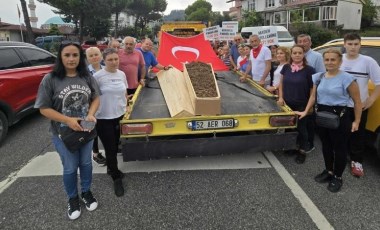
point(259, 61)
point(363, 68)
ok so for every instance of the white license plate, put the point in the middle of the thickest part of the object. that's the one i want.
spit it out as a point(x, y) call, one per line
point(212, 124)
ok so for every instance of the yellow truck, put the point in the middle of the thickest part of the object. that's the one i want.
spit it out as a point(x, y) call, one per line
point(182, 28)
point(250, 119)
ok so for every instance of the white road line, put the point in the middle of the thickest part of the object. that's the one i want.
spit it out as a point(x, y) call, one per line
point(313, 211)
point(49, 164)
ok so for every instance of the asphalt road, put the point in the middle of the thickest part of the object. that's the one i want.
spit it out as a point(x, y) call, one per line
point(245, 191)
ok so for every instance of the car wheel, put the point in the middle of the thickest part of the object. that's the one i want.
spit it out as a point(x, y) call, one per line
point(3, 126)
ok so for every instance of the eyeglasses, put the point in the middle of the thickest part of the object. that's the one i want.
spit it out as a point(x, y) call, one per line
point(238, 39)
point(126, 43)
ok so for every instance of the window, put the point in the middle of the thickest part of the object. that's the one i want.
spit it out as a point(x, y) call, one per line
point(9, 59)
point(311, 14)
point(296, 16)
point(269, 3)
point(37, 57)
point(329, 12)
point(280, 17)
point(252, 5)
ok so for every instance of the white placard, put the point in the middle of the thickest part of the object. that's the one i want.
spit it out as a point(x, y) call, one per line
point(234, 25)
point(211, 33)
point(268, 35)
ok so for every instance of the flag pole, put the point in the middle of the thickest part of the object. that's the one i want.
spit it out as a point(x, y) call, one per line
point(19, 22)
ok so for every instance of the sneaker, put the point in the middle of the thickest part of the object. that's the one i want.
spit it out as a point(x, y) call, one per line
point(99, 159)
point(300, 158)
point(118, 187)
point(73, 208)
point(335, 184)
point(323, 177)
point(89, 200)
point(357, 169)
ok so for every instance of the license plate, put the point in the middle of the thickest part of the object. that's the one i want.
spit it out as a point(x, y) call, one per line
point(213, 124)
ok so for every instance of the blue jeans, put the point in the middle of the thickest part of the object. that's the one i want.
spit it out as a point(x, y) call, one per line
point(71, 162)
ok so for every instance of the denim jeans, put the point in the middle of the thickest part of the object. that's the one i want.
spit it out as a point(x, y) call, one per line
point(71, 162)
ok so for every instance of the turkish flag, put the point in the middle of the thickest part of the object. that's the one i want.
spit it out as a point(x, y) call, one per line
point(177, 50)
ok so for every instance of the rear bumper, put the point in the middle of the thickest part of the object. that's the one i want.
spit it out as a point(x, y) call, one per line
point(143, 149)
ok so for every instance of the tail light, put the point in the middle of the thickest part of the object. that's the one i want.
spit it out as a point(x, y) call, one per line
point(278, 121)
point(140, 128)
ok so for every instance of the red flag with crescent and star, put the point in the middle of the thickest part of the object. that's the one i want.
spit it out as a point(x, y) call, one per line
point(177, 50)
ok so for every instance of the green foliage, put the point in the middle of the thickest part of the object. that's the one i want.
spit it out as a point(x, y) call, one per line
point(318, 34)
point(369, 13)
point(251, 18)
point(146, 11)
point(216, 18)
point(97, 28)
point(54, 30)
point(198, 4)
point(370, 32)
point(199, 15)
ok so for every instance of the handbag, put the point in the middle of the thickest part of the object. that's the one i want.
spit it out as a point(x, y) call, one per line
point(74, 140)
point(327, 119)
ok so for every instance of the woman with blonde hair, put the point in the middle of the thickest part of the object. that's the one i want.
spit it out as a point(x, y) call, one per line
point(333, 91)
point(94, 58)
point(283, 57)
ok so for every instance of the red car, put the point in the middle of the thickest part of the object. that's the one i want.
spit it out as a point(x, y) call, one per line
point(22, 67)
point(93, 43)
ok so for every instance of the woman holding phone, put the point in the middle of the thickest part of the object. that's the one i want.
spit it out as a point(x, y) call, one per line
point(113, 104)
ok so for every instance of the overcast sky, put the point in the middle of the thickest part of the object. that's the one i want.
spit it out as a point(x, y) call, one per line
point(8, 9)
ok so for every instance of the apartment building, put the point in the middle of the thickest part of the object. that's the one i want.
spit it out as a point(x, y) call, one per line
point(327, 13)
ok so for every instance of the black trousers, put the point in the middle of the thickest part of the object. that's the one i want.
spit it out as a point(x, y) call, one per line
point(109, 133)
point(357, 141)
point(335, 144)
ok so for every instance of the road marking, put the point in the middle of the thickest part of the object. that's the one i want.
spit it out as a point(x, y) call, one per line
point(49, 164)
point(315, 214)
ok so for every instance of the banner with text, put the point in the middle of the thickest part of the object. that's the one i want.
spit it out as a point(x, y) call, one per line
point(268, 36)
point(211, 33)
point(228, 30)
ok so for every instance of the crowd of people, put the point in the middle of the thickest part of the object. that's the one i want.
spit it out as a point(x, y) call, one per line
point(96, 87)
point(294, 74)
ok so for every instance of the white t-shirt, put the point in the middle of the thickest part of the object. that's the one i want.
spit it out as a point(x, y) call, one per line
point(258, 63)
point(113, 90)
point(239, 59)
point(362, 68)
point(277, 75)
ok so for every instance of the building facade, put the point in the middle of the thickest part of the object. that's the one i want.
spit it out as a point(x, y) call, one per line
point(327, 13)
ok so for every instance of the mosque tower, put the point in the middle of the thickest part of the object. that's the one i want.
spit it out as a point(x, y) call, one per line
point(33, 19)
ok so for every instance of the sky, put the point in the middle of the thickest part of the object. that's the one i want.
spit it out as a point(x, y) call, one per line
point(8, 9)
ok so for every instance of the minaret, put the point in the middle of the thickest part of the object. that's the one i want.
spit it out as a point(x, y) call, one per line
point(33, 19)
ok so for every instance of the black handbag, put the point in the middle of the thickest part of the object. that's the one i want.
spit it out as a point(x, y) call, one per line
point(74, 140)
point(327, 120)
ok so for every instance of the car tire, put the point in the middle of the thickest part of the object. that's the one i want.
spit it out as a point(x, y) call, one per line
point(3, 126)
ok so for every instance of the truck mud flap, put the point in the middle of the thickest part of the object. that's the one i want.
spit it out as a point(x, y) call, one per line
point(142, 149)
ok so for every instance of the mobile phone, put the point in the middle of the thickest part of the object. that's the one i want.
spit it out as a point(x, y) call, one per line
point(87, 125)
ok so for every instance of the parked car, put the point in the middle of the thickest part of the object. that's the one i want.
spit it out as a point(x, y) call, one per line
point(92, 43)
point(22, 67)
point(45, 42)
point(371, 47)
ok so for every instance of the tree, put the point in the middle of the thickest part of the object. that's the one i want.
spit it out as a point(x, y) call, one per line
point(29, 31)
point(251, 18)
point(200, 10)
point(118, 6)
point(217, 18)
point(81, 11)
point(146, 11)
point(369, 13)
point(54, 30)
